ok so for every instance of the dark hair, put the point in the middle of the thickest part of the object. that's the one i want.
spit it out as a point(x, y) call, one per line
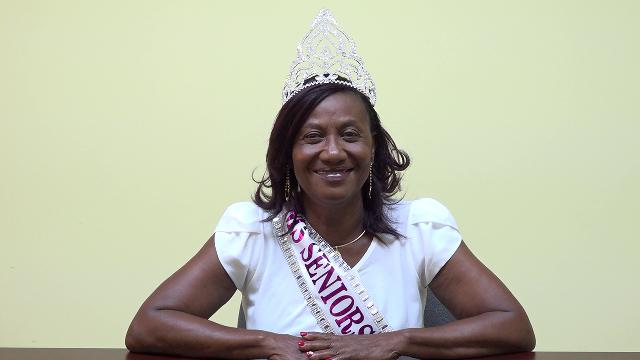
point(388, 162)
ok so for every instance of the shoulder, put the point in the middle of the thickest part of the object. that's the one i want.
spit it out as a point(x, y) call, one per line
point(240, 241)
point(424, 210)
point(434, 236)
point(242, 217)
point(432, 211)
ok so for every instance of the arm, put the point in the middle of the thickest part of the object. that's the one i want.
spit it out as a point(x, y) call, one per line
point(174, 319)
point(491, 321)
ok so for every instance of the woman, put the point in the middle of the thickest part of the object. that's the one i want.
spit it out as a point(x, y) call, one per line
point(324, 251)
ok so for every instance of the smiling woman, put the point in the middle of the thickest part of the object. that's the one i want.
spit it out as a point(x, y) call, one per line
point(338, 116)
point(324, 250)
point(334, 152)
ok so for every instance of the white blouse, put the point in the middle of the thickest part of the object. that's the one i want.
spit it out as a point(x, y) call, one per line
point(394, 271)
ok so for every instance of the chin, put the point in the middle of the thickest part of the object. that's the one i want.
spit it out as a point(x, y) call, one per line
point(335, 198)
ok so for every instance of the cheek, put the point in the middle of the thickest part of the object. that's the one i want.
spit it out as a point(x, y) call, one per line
point(300, 160)
point(362, 154)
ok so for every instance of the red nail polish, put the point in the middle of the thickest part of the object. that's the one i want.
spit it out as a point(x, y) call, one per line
point(328, 359)
point(300, 343)
point(303, 333)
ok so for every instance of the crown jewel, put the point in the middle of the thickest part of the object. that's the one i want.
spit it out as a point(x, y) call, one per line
point(327, 55)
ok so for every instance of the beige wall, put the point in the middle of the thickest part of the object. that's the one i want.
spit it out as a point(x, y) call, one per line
point(126, 128)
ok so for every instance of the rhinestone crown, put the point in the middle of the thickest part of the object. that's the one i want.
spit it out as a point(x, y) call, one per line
point(327, 55)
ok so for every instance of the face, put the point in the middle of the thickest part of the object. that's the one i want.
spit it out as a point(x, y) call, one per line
point(333, 150)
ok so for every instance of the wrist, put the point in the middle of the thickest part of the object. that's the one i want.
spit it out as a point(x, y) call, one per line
point(266, 343)
point(399, 342)
point(270, 344)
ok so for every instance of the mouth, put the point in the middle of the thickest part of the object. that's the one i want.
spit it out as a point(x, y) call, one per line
point(333, 174)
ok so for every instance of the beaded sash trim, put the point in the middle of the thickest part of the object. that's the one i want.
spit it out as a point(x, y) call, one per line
point(337, 302)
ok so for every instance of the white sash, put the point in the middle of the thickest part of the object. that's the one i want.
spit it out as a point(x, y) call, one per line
point(334, 294)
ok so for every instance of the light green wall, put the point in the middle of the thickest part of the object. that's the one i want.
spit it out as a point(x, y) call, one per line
point(126, 128)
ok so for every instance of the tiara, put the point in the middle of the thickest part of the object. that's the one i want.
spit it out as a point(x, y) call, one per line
point(327, 55)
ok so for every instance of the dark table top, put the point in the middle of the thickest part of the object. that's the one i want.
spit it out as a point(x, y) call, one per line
point(123, 354)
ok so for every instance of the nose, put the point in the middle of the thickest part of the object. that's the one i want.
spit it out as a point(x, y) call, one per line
point(333, 152)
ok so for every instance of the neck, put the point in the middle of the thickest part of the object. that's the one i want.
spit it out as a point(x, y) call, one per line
point(337, 224)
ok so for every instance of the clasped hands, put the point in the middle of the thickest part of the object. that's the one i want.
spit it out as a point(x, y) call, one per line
point(322, 346)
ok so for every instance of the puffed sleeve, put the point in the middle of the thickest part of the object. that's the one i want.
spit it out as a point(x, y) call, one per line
point(437, 233)
point(238, 241)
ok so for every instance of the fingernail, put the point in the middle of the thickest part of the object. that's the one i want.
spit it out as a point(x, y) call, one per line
point(328, 359)
point(303, 333)
point(309, 353)
point(300, 343)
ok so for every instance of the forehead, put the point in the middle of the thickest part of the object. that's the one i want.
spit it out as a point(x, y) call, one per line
point(337, 109)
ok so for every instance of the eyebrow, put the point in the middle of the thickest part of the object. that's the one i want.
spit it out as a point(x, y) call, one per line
point(311, 123)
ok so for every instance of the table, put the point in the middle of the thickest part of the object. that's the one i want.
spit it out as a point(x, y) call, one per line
point(123, 354)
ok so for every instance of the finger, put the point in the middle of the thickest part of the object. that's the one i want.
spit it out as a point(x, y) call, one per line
point(322, 355)
point(307, 345)
point(313, 335)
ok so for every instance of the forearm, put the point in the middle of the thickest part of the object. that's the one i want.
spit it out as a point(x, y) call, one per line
point(179, 333)
point(486, 334)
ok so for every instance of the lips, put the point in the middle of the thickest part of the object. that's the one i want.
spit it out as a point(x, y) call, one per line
point(334, 174)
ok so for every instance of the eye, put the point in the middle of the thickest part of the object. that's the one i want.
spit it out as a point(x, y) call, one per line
point(312, 137)
point(351, 135)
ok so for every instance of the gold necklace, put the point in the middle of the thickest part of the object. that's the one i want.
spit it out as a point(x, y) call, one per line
point(350, 242)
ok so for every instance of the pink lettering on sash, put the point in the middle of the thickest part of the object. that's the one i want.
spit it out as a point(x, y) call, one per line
point(363, 330)
point(332, 289)
point(292, 219)
point(354, 317)
point(335, 292)
point(298, 233)
point(320, 261)
point(296, 222)
point(338, 301)
point(309, 252)
point(326, 276)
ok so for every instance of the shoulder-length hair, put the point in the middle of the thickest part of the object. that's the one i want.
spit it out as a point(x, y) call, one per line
point(389, 161)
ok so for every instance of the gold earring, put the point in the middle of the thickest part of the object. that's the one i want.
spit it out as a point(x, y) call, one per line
point(286, 186)
point(370, 179)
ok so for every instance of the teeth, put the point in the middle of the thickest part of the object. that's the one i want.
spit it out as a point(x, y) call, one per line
point(332, 172)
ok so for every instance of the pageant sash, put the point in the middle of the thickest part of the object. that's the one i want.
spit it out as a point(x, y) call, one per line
point(332, 290)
